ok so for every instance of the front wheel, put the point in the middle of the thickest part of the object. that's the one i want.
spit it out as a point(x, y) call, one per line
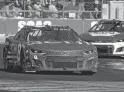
point(25, 63)
point(7, 66)
point(5, 60)
point(10, 67)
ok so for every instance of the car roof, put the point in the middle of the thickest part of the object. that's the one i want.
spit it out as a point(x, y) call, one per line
point(49, 26)
point(111, 20)
point(44, 28)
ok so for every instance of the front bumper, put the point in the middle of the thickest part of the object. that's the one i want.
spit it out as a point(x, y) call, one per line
point(63, 63)
point(109, 49)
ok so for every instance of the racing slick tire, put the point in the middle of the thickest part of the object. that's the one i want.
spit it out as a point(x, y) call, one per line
point(90, 73)
point(9, 67)
point(25, 65)
point(23, 60)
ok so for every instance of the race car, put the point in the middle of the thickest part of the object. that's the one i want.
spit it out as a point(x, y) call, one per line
point(49, 48)
point(108, 37)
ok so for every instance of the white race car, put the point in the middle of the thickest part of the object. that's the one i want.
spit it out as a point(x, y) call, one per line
point(108, 37)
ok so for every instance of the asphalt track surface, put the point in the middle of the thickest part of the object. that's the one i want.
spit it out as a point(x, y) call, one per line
point(109, 78)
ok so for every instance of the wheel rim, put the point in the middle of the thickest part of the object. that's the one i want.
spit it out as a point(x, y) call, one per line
point(4, 59)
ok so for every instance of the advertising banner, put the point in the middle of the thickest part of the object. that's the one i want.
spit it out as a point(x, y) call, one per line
point(11, 26)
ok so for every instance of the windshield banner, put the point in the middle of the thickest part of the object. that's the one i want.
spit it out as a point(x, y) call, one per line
point(103, 33)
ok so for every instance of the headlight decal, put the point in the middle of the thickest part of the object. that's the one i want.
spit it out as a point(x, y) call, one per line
point(121, 49)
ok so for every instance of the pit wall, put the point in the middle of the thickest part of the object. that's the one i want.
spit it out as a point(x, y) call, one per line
point(12, 26)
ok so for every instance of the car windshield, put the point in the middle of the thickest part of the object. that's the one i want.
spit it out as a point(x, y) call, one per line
point(54, 34)
point(106, 26)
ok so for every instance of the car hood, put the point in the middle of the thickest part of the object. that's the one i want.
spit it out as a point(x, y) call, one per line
point(49, 45)
point(102, 36)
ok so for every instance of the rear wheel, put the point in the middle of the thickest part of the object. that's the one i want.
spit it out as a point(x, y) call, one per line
point(9, 67)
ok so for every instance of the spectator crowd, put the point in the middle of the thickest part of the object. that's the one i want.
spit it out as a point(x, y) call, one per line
point(51, 8)
point(30, 9)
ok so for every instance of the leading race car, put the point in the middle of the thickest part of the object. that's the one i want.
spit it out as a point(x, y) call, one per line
point(49, 48)
point(108, 37)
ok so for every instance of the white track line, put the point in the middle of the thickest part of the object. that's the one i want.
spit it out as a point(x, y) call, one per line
point(60, 86)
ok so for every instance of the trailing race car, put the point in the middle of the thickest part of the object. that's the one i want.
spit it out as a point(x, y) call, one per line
point(108, 37)
point(49, 48)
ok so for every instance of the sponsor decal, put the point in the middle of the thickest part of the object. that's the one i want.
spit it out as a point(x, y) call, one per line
point(67, 42)
point(91, 58)
point(47, 42)
point(51, 42)
point(36, 42)
point(93, 23)
point(103, 33)
point(87, 43)
point(21, 24)
point(79, 42)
